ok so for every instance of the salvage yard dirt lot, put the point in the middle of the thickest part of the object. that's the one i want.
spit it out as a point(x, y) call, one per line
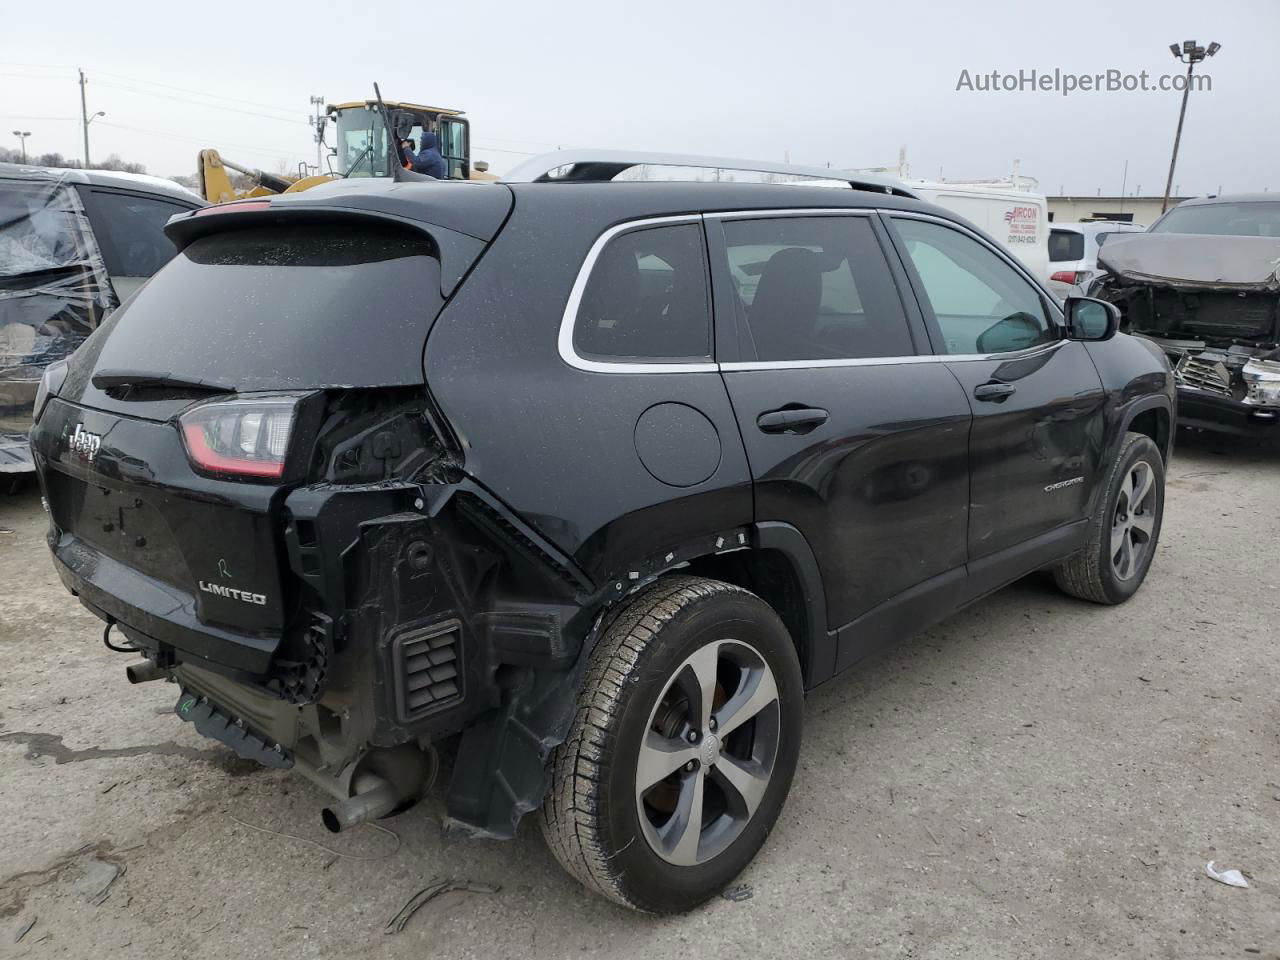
point(1035, 777)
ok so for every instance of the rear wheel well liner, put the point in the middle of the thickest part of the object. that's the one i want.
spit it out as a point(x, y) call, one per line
point(780, 569)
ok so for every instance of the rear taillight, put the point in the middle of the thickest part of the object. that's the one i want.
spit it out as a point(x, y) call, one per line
point(1072, 277)
point(247, 437)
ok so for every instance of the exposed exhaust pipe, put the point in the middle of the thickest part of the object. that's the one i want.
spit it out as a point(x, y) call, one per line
point(374, 799)
point(385, 782)
point(143, 671)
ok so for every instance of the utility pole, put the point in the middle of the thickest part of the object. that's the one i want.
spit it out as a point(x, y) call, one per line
point(84, 119)
point(22, 136)
point(1190, 54)
point(318, 123)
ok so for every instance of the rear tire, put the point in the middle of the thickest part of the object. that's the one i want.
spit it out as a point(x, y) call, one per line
point(615, 818)
point(1124, 529)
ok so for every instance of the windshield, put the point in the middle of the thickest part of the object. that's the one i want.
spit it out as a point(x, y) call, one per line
point(284, 308)
point(362, 144)
point(1244, 219)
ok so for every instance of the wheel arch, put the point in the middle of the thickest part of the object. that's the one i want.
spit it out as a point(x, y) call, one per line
point(779, 567)
point(1153, 417)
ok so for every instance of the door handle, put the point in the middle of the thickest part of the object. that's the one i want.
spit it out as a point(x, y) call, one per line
point(790, 419)
point(994, 392)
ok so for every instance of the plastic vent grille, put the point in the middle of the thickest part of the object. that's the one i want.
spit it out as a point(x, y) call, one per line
point(1204, 375)
point(428, 668)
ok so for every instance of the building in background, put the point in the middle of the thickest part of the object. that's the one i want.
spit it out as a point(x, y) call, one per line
point(1142, 210)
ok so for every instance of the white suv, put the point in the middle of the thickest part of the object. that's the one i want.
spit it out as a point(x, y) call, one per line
point(1073, 253)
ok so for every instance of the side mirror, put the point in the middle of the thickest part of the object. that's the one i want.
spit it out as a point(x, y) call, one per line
point(1091, 319)
point(481, 165)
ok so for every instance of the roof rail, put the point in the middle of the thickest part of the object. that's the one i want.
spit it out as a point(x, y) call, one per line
point(602, 165)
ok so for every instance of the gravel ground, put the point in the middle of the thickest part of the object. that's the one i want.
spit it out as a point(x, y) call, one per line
point(1035, 777)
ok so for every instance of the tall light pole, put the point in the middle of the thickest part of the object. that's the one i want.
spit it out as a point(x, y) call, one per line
point(22, 136)
point(84, 118)
point(100, 113)
point(1190, 54)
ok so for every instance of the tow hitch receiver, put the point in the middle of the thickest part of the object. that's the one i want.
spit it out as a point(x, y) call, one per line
point(216, 725)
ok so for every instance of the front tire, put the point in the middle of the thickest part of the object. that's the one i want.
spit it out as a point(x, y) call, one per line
point(1124, 529)
point(683, 747)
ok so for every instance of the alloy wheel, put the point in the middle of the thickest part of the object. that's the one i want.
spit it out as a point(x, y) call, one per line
point(1134, 520)
point(708, 752)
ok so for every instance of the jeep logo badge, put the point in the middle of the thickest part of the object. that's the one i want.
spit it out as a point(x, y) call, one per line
point(85, 443)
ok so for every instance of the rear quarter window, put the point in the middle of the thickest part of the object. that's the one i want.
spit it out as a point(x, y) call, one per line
point(647, 299)
point(1065, 245)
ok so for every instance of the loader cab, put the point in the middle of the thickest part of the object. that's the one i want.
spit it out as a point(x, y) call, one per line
point(361, 150)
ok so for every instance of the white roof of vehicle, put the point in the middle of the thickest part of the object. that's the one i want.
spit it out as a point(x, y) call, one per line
point(1097, 226)
point(99, 178)
point(977, 190)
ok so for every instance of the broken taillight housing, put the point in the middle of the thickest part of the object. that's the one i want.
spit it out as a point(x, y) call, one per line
point(1072, 277)
point(245, 438)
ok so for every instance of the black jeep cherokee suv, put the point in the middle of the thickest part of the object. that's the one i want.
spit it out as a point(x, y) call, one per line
point(592, 479)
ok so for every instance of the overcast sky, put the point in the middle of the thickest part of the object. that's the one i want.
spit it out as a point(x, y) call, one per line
point(844, 83)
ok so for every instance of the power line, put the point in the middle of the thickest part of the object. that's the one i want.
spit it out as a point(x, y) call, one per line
point(139, 80)
point(287, 155)
point(199, 93)
point(198, 103)
point(128, 88)
point(149, 93)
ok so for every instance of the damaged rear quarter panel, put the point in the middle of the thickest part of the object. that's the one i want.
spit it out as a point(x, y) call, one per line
point(525, 441)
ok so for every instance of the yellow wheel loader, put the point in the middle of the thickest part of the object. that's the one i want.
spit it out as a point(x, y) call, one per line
point(360, 149)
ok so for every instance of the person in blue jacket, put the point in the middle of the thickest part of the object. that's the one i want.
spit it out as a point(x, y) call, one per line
point(429, 160)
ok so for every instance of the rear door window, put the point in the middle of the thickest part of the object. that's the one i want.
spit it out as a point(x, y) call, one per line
point(285, 307)
point(647, 299)
point(131, 230)
point(814, 288)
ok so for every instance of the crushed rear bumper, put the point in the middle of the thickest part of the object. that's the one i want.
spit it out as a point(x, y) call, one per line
point(151, 612)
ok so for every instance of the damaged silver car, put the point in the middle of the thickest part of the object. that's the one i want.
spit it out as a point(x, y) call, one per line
point(1204, 284)
point(74, 244)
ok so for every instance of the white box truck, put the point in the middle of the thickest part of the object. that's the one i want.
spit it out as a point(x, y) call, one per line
point(1016, 218)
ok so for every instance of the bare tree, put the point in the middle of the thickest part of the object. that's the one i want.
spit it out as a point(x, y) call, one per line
point(113, 162)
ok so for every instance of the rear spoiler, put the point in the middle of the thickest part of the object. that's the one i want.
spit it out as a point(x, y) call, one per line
point(457, 250)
